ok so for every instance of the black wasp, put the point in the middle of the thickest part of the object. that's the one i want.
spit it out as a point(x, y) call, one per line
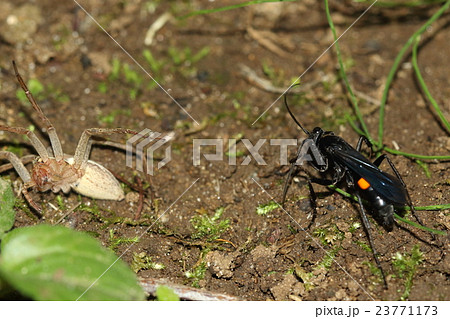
point(332, 155)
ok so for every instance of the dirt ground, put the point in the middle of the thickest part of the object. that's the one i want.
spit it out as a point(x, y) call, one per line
point(93, 80)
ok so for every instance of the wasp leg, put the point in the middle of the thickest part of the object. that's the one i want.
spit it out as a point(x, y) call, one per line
point(292, 171)
point(365, 140)
point(299, 160)
point(312, 200)
point(369, 236)
point(312, 193)
point(377, 162)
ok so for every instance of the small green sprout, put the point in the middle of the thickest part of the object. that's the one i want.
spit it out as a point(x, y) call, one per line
point(292, 229)
point(41, 92)
point(354, 227)
point(57, 94)
point(197, 273)
point(209, 227)
point(304, 276)
point(264, 209)
point(185, 55)
point(115, 72)
point(364, 245)
point(425, 168)
point(102, 87)
point(154, 64)
point(60, 202)
point(405, 266)
point(116, 241)
point(110, 118)
point(276, 76)
point(327, 260)
point(329, 235)
point(131, 75)
point(375, 271)
point(142, 261)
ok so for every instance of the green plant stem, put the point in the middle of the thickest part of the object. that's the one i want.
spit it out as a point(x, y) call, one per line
point(394, 68)
point(431, 207)
point(396, 4)
point(416, 225)
point(424, 86)
point(344, 75)
point(396, 152)
point(418, 208)
point(418, 156)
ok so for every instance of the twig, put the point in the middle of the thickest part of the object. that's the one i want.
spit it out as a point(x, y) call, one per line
point(267, 86)
point(141, 199)
point(262, 38)
point(367, 97)
point(184, 292)
point(155, 27)
point(70, 211)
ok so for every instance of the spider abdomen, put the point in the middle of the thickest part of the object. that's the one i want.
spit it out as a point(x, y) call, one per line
point(97, 182)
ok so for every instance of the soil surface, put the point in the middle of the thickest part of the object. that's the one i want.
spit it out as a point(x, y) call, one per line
point(224, 70)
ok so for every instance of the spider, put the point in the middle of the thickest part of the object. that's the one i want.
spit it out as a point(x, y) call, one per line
point(55, 171)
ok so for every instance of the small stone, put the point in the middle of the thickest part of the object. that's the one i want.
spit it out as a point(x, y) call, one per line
point(221, 265)
point(132, 197)
point(341, 294)
point(21, 24)
point(100, 62)
point(283, 289)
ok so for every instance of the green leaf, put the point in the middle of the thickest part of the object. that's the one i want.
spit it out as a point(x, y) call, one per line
point(56, 263)
point(164, 293)
point(7, 213)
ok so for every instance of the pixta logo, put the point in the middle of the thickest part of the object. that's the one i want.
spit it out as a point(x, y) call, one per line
point(144, 144)
point(307, 151)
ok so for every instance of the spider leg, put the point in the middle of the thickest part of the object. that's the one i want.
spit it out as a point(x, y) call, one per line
point(25, 160)
point(54, 139)
point(369, 236)
point(37, 144)
point(24, 175)
point(85, 144)
point(17, 164)
point(30, 200)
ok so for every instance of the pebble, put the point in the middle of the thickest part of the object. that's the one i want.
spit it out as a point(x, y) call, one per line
point(20, 24)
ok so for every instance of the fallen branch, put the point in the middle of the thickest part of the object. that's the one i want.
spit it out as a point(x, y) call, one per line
point(184, 292)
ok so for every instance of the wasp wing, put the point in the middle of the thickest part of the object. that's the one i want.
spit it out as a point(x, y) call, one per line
point(386, 185)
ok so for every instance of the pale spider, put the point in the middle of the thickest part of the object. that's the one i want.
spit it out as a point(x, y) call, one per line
point(53, 170)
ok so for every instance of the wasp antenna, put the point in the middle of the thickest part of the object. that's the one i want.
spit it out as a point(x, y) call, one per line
point(289, 110)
